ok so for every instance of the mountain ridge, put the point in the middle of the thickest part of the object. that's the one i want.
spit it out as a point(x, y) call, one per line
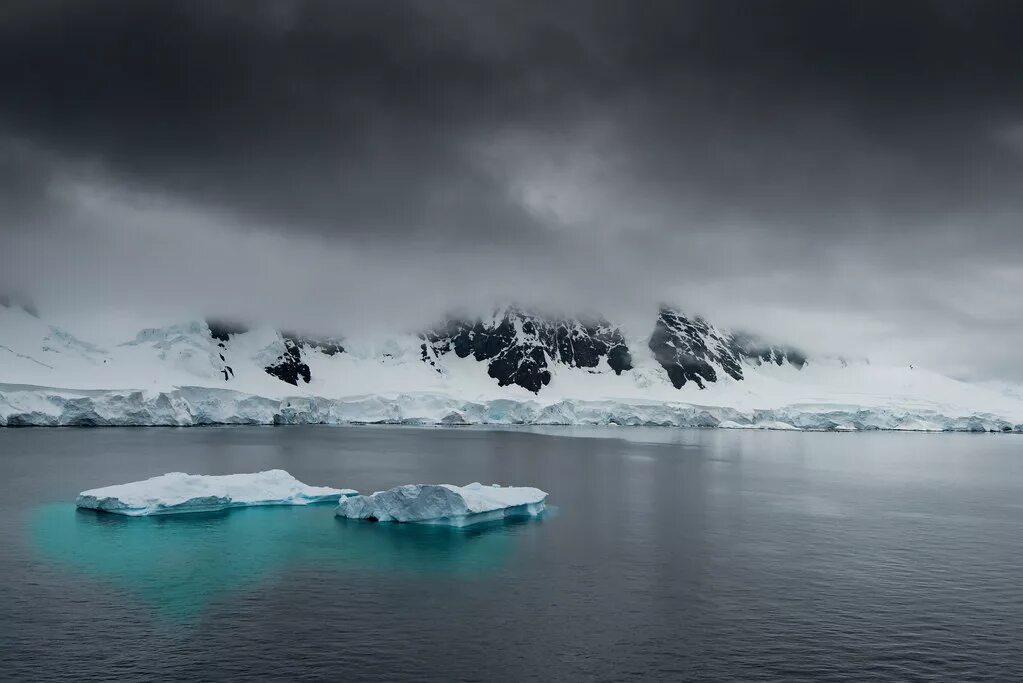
point(513, 355)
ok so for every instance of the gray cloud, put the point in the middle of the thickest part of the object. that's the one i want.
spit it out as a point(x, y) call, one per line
point(844, 173)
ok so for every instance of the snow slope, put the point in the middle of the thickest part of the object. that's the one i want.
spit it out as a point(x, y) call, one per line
point(175, 375)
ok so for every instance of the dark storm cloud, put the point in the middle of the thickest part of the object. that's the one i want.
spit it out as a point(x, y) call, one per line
point(851, 157)
point(344, 118)
point(362, 118)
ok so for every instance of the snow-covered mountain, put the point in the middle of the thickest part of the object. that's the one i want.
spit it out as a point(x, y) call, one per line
point(513, 366)
point(690, 349)
point(520, 348)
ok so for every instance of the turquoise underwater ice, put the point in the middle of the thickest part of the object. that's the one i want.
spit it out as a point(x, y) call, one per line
point(178, 565)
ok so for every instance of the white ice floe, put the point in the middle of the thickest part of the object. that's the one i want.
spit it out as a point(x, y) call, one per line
point(177, 492)
point(445, 504)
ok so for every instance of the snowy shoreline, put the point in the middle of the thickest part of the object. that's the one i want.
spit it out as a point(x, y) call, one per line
point(192, 374)
point(33, 406)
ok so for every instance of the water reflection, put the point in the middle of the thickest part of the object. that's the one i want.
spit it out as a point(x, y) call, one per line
point(179, 564)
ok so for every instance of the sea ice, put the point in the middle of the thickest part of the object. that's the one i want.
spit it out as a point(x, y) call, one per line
point(177, 492)
point(444, 504)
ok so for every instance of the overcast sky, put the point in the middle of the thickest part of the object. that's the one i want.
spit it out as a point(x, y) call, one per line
point(846, 176)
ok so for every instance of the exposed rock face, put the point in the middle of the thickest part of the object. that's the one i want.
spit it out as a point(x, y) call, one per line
point(520, 346)
point(688, 350)
point(523, 348)
point(327, 345)
point(221, 331)
point(290, 367)
point(692, 350)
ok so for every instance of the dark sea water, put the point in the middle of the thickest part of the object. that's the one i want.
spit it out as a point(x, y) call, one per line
point(670, 555)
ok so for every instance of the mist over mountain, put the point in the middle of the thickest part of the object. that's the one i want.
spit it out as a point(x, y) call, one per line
point(708, 312)
point(843, 175)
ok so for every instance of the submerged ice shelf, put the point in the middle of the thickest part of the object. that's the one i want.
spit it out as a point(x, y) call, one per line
point(445, 504)
point(177, 492)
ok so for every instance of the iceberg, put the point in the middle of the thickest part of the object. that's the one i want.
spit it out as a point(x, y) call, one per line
point(177, 492)
point(445, 504)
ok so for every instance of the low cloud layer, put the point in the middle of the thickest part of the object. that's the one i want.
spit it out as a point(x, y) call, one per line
point(842, 175)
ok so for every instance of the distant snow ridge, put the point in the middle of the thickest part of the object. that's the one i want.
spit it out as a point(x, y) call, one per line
point(515, 367)
point(689, 349)
point(22, 405)
point(519, 346)
point(59, 341)
point(522, 348)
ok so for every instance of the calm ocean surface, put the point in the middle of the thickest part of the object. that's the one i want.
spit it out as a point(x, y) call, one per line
point(673, 555)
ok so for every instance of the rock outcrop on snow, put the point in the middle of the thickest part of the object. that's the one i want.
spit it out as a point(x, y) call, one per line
point(692, 350)
point(513, 368)
point(520, 348)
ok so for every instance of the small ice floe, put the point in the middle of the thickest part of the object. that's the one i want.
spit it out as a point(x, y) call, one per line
point(177, 492)
point(444, 504)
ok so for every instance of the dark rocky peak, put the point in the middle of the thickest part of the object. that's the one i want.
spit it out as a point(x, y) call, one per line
point(583, 343)
point(289, 366)
point(693, 350)
point(518, 345)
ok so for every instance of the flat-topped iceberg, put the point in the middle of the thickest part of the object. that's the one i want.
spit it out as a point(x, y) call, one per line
point(444, 504)
point(177, 492)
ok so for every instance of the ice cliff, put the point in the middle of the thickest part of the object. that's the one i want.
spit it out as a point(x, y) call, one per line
point(514, 367)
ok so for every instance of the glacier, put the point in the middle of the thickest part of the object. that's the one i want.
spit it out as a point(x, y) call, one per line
point(177, 492)
point(26, 405)
point(191, 374)
point(445, 504)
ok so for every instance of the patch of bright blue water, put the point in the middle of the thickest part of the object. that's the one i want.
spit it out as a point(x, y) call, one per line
point(177, 565)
